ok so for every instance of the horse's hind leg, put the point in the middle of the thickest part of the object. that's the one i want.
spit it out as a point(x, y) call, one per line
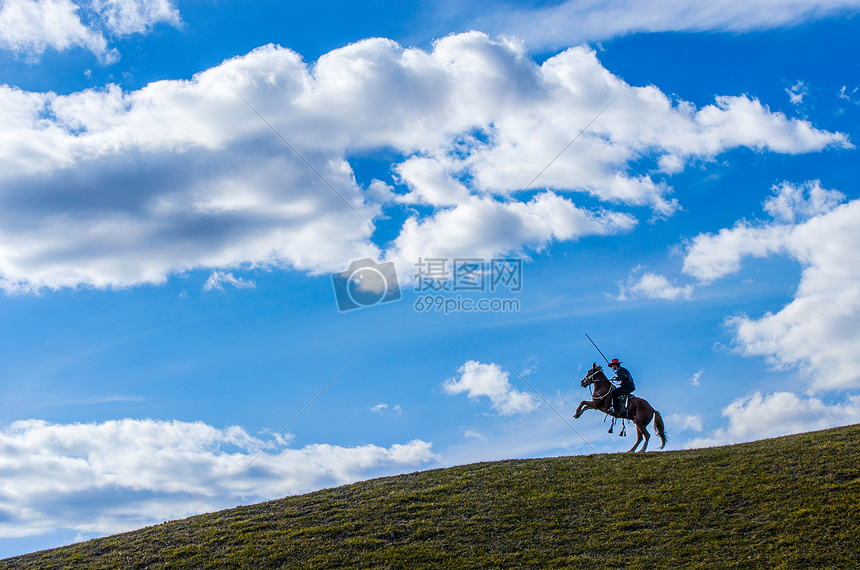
point(647, 437)
point(638, 439)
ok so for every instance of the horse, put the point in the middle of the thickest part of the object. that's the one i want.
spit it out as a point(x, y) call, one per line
point(639, 411)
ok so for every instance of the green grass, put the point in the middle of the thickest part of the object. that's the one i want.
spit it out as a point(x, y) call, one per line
point(791, 502)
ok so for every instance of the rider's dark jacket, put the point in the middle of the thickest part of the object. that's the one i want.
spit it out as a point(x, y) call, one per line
point(623, 376)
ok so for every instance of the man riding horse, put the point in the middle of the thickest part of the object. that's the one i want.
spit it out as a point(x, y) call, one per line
point(638, 410)
point(623, 376)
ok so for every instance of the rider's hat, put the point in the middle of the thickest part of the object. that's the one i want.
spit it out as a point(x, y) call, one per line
point(615, 361)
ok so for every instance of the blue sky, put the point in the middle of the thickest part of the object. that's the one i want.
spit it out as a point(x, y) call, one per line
point(166, 259)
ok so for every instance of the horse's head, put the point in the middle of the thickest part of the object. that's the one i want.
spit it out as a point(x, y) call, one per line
point(595, 374)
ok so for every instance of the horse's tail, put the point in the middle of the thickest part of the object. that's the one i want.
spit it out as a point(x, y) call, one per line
point(658, 427)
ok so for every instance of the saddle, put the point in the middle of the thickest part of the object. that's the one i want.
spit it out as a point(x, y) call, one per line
point(622, 413)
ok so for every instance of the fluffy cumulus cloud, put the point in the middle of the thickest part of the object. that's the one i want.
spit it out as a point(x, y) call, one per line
point(131, 473)
point(759, 416)
point(799, 202)
point(652, 286)
point(489, 380)
point(574, 21)
point(30, 27)
point(124, 17)
point(482, 228)
point(819, 330)
point(113, 188)
point(686, 422)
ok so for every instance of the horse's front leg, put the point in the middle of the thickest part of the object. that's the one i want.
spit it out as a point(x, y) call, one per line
point(583, 405)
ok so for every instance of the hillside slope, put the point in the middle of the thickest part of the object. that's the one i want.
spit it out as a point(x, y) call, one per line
point(791, 502)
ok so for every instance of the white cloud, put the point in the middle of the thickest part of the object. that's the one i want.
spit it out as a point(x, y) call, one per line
point(819, 330)
point(118, 475)
point(694, 380)
point(429, 183)
point(850, 96)
point(758, 416)
point(107, 188)
point(383, 407)
point(793, 203)
point(686, 422)
point(478, 379)
point(219, 278)
point(652, 286)
point(31, 26)
point(797, 92)
point(482, 228)
point(125, 17)
point(576, 21)
point(709, 256)
point(380, 192)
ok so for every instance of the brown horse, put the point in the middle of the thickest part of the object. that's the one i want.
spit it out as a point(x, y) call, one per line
point(639, 411)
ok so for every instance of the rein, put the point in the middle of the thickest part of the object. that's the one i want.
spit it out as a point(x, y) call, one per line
point(591, 383)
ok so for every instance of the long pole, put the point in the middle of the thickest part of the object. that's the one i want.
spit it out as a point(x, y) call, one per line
point(598, 350)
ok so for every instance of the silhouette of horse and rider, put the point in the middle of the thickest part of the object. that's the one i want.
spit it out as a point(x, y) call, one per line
point(619, 403)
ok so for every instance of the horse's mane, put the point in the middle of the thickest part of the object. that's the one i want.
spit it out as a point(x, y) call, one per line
point(598, 374)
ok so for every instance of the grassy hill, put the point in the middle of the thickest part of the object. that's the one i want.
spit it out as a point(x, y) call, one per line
point(791, 502)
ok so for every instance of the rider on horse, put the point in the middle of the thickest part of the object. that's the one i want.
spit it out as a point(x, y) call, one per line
point(623, 376)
